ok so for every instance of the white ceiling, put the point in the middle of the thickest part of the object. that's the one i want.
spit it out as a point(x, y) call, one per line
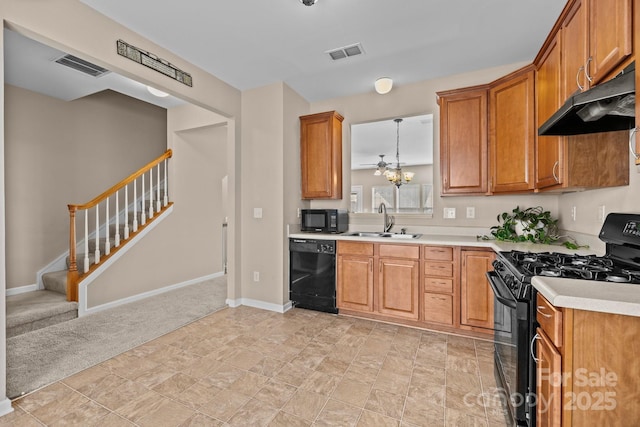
point(252, 43)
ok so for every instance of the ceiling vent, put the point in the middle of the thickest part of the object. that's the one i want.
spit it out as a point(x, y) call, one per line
point(345, 52)
point(82, 65)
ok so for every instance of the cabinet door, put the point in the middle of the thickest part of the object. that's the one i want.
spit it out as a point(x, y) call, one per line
point(476, 305)
point(321, 155)
point(512, 132)
point(548, 383)
point(355, 283)
point(575, 39)
point(438, 308)
point(549, 149)
point(398, 288)
point(463, 141)
point(610, 36)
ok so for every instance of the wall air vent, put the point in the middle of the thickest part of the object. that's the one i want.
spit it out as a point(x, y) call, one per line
point(345, 52)
point(82, 65)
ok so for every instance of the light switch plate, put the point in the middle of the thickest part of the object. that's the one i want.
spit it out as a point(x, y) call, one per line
point(471, 212)
point(257, 212)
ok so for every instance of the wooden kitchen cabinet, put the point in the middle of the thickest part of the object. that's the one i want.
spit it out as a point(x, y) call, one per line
point(463, 141)
point(548, 149)
point(610, 36)
point(377, 278)
point(512, 132)
point(321, 155)
point(587, 367)
point(476, 296)
point(398, 281)
point(566, 163)
point(355, 276)
point(440, 285)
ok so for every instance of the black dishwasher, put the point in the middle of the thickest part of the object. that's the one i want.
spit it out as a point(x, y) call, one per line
point(312, 274)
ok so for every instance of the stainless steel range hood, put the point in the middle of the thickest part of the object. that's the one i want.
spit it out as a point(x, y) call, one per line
point(606, 107)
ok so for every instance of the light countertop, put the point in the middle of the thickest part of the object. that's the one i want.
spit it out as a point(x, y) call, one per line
point(606, 297)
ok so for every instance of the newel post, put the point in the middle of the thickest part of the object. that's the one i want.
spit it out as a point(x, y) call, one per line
point(72, 275)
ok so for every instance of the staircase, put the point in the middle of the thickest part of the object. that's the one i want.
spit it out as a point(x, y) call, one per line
point(58, 301)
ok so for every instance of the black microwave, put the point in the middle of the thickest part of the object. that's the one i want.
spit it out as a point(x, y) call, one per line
point(325, 220)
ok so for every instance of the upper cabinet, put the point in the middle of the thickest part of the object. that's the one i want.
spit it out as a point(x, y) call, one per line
point(463, 141)
point(596, 37)
point(321, 155)
point(610, 36)
point(512, 132)
point(487, 136)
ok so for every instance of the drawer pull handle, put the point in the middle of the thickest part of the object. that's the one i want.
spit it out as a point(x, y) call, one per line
point(539, 310)
point(533, 341)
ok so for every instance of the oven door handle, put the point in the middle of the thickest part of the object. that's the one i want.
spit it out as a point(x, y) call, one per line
point(500, 290)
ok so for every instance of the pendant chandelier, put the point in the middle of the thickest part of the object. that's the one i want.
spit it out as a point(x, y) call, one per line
point(395, 175)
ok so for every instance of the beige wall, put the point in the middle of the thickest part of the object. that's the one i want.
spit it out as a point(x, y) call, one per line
point(71, 26)
point(271, 181)
point(188, 244)
point(60, 153)
point(414, 99)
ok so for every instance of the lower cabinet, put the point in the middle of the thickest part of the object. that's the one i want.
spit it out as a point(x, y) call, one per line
point(440, 284)
point(355, 276)
point(392, 291)
point(476, 296)
point(420, 285)
point(398, 287)
point(587, 367)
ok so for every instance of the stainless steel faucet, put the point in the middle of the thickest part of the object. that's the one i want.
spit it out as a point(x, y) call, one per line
point(388, 219)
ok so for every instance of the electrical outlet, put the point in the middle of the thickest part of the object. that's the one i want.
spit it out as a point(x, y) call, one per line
point(471, 212)
point(256, 276)
point(450, 213)
point(573, 212)
point(299, 213)
point(601, 213)
point(257, 212)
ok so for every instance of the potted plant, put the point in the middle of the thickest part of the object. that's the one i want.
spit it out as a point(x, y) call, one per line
point(526, 225)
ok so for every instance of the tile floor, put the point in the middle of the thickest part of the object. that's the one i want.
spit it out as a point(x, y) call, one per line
point(249, 367)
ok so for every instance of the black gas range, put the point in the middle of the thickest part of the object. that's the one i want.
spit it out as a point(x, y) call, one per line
point(515, 297)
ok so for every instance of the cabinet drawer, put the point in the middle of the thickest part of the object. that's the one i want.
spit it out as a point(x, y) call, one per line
point(440, 269)
point(550, 320)
point(438, 253)
point(438, 308)
point(400, 251)
point(355, 248)
point(433, 284)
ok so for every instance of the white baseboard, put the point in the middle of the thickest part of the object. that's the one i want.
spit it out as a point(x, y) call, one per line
point(21, 290)
point(144, 295)
point(259, 304)
point(5, 406)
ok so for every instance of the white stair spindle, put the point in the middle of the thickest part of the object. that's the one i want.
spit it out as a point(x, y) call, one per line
point(97, 252)
point(143, 219)
point(158, 202)
point(107, 243)
point(86, 240)
point(135, 205)
point(126, 212)
point(117, 234)
point(166, 182)
point(150, 193)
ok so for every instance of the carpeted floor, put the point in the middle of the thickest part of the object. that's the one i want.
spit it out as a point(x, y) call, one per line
point(44, 356)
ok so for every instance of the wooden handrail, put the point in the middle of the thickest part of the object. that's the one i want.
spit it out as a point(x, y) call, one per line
point(167, 154)
point(73, 276)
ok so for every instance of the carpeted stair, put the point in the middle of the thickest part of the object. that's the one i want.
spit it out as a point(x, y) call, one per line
point(30, 311)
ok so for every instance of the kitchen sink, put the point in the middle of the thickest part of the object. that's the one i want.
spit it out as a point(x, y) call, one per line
point(386, 235)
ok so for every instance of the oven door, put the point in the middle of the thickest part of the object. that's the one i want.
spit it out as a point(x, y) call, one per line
point(511, 339)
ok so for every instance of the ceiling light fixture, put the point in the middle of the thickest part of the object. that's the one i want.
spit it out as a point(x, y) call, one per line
point(383, 85)
point(396, 176)
point(308, 2)
point(157, 92)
